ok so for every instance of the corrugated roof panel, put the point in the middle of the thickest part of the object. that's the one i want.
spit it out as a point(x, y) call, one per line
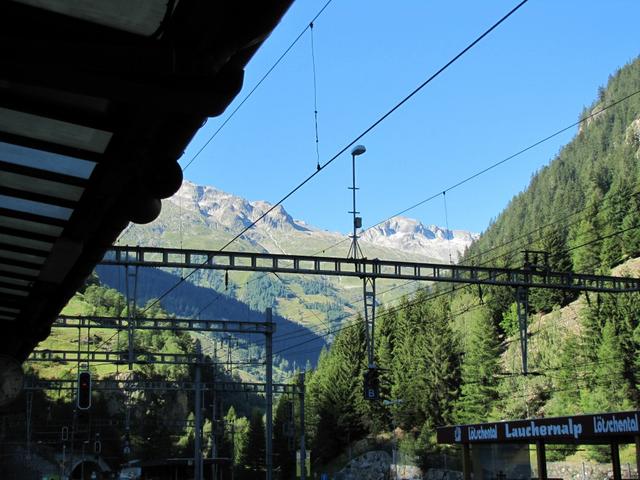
point(30, 226)
point(52, 162)
point(24, 257)
point(14, 281)
point(140, 17)
point(41, 186)
point(5, 267)
point(15, 293)
point(39, 208)
point(53, 131)
point(25, 242)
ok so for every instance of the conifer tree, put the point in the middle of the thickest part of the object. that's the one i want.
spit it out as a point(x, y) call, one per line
point(615, 207)
point(255, 451)
point(283, 431)
point(336, 403)
point(631, 231)
point(586, 248)
point(553, 242)
point(438, 356)
point(606, 388)
point(480, 367)
point(404, 367)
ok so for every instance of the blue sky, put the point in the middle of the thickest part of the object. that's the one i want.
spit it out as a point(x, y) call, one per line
point(529, 78)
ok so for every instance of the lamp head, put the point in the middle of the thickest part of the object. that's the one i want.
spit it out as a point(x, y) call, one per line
point(358, 150)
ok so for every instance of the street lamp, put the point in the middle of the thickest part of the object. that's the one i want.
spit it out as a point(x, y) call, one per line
point(354, 250)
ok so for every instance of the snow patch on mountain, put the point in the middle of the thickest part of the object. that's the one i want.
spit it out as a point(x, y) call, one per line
point(411, 235)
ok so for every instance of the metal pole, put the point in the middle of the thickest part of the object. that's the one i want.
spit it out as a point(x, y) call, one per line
point(82, 464)
point(28, 425)
point(466, 461)
point(541, 456)
point(615, 461)
point(73, 436)
point(522, 300)
point(197, 444)
point(303, 452)
point(354, 249)
point(129, 317)
point(64, 461)
point(214, 446)
point(369, 301)
point(637, 441)
point(354, 212)
point(269, 397)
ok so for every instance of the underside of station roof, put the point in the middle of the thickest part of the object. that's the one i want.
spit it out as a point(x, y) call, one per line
point(98, 100)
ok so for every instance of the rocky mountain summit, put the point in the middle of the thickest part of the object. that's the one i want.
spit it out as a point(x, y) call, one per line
point(411, 235)
point(397, 238)
point(230, 211)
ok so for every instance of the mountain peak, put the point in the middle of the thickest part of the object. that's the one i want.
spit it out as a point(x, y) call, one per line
point(231, 211)
point(398, 237)
point(410, 235)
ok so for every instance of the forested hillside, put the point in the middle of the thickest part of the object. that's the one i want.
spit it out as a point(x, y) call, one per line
point(160, 422)
point(452, 355)
point(588, 192)
point(211, 299)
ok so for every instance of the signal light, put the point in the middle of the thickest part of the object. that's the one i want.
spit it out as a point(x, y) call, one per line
point(371, 384)
point(84, 390)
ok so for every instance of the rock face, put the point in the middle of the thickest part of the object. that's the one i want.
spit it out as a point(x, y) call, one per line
point(230, 211)
point(587, 471)
point(372, 465)
point(376, 465)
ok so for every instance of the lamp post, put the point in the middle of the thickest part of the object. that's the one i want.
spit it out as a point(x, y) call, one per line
point(354, 250)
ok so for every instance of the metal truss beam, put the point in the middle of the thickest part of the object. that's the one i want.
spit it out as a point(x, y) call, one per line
point(124, 358)
point(366, 268)
point(159, 385)
point(164, 324)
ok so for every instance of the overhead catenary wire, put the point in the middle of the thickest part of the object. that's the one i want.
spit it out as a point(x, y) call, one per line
point(315, 95)
point(436, 295)
point(594, 113)
point(402, 307)
point(496, 164)
point(370, 128)
point(526, 236)
point(257, 85)
point(387, 312)
point(603, 109)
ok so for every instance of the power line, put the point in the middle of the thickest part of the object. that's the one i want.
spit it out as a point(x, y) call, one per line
point(315, 95)
point(522, 236)
point(416, 301)
point(262, 79)
point(346, 147)
point(435, 295)
point(494, 165)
